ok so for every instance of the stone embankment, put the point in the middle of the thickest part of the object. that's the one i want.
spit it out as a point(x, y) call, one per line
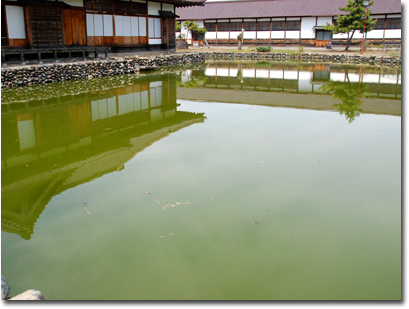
point(60, 72)
point(305, 57)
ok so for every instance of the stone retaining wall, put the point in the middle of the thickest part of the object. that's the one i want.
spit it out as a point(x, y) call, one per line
point(304, 57)
point(44, 74)
point(59, 72)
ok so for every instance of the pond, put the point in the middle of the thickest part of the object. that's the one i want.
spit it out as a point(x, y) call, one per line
point(222, 181)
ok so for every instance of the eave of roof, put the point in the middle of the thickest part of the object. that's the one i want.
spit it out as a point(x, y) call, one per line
point(279, 8)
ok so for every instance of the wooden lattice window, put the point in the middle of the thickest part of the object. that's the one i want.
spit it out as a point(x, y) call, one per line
point(46, 25)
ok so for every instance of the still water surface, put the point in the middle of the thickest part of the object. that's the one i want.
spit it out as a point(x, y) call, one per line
point(150, 188)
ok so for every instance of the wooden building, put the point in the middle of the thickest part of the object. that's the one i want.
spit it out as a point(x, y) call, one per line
point(84, 24)
point(287, 22)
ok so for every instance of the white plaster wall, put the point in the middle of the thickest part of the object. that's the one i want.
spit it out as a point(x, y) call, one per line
point(357, 35)
point(15, 20)
point(293, 34)
point(375, 34)
point(153, 8)
point(142, 26)
point(234, 34)
point(263, 34)
point(277, 34)
point(186, 33)
point(168, 7)
point(322, 21)
point(108, 25)
point(200, 23)
point(340, 36)
point(249, 35)
point(307, 31)
point(393, 34)
point(223, 35)
point(210, 35)
point(90, 24)
point(119, 25)
point(127, 25)
point(134, 26)
point(98, 25)
point(155, 41)
point(78, 3)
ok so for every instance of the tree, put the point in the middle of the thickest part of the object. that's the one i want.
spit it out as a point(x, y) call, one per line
point(194, 28)
point(349, 95)
point(353, 21)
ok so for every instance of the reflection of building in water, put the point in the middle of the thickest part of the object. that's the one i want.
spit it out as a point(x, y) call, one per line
point(51, 145)
point(306, 80)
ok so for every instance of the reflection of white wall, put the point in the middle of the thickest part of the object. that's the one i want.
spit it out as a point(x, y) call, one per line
point(145, 99)
point(223, 72)
point(307, 24)
point(233, 72)
point(156, 114)
point(26, 134)
point(262, 73)
point(290, 74)
point(248, 73)
point(15, 21)
point(276, 74)
point(210, 71)
point(304, 81)
point(337, 77)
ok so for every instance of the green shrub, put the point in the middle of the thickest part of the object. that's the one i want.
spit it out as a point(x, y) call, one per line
point(263, 49)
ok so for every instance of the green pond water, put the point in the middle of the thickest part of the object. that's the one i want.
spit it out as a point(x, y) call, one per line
point(226, 181)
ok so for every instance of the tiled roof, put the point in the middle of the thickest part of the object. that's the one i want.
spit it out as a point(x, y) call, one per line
point(43, 2)
point(278, 8)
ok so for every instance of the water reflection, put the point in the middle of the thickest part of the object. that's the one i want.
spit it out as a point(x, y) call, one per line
point(312, 83)
point(54, 139)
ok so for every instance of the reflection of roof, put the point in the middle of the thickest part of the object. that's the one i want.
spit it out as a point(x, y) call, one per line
point(283, 99)
point(21, 221)
point(252, 9)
